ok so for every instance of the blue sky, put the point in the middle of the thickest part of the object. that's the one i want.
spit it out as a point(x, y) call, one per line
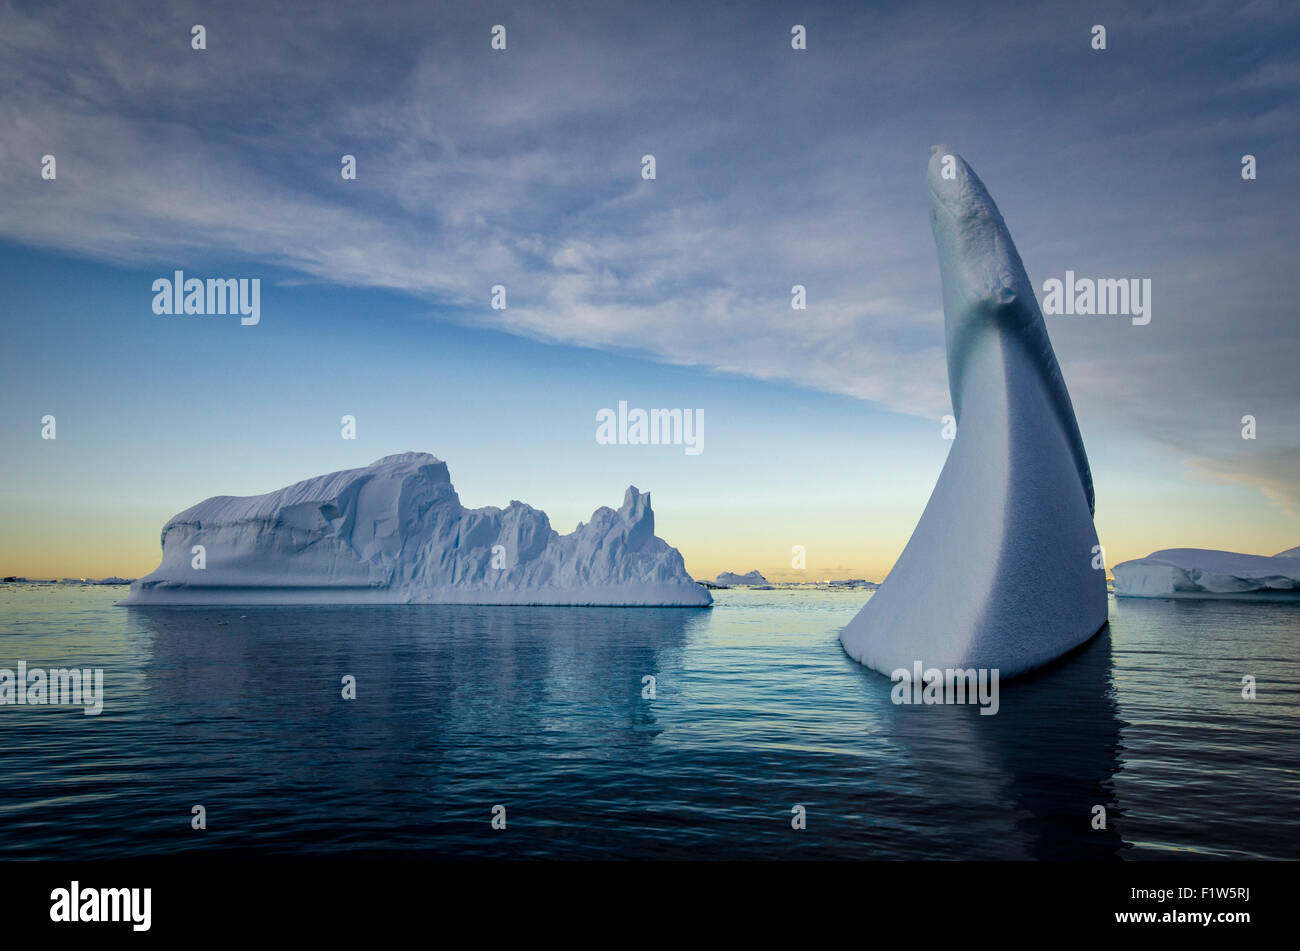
point(522, 167)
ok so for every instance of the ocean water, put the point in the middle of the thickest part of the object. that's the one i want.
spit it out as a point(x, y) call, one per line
point(756, 710)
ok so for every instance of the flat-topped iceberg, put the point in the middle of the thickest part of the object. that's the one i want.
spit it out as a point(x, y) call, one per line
point(1206, 573)
point(395, 532)
point(730, 578)
point(1002, 571)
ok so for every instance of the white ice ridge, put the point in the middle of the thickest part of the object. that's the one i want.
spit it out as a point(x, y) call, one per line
point(730, 578)
point(395, 532)
point(999, 571)
point(1205, 573)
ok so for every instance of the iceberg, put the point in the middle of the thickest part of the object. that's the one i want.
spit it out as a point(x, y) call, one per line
point(396, 532)
point(729, 578)
point(1206, 573)
point(1003, 569)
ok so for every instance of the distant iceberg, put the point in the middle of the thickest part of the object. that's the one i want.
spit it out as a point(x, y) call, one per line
point(730, 578)
point(1206, 573)
point(999, 572)
point(395, 532)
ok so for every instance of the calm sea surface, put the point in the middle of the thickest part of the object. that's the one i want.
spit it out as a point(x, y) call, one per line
point(756, 710)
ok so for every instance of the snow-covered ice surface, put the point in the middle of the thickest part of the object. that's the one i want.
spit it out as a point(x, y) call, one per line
point(395, 532)
point(730, 578)
point(999, 571)
point(1205, 573)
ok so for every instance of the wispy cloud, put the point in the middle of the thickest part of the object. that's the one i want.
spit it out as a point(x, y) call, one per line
point(775, 168)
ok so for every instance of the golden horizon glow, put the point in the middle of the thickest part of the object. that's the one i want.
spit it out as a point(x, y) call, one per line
point(126, 543)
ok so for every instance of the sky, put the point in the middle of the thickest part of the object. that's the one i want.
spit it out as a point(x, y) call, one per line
point(523, 167)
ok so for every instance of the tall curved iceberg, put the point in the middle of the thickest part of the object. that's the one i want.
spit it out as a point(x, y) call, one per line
point(396, 532)
point(999, 572)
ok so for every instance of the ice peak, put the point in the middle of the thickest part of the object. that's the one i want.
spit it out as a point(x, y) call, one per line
point(636, 507)
point(403, 458)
